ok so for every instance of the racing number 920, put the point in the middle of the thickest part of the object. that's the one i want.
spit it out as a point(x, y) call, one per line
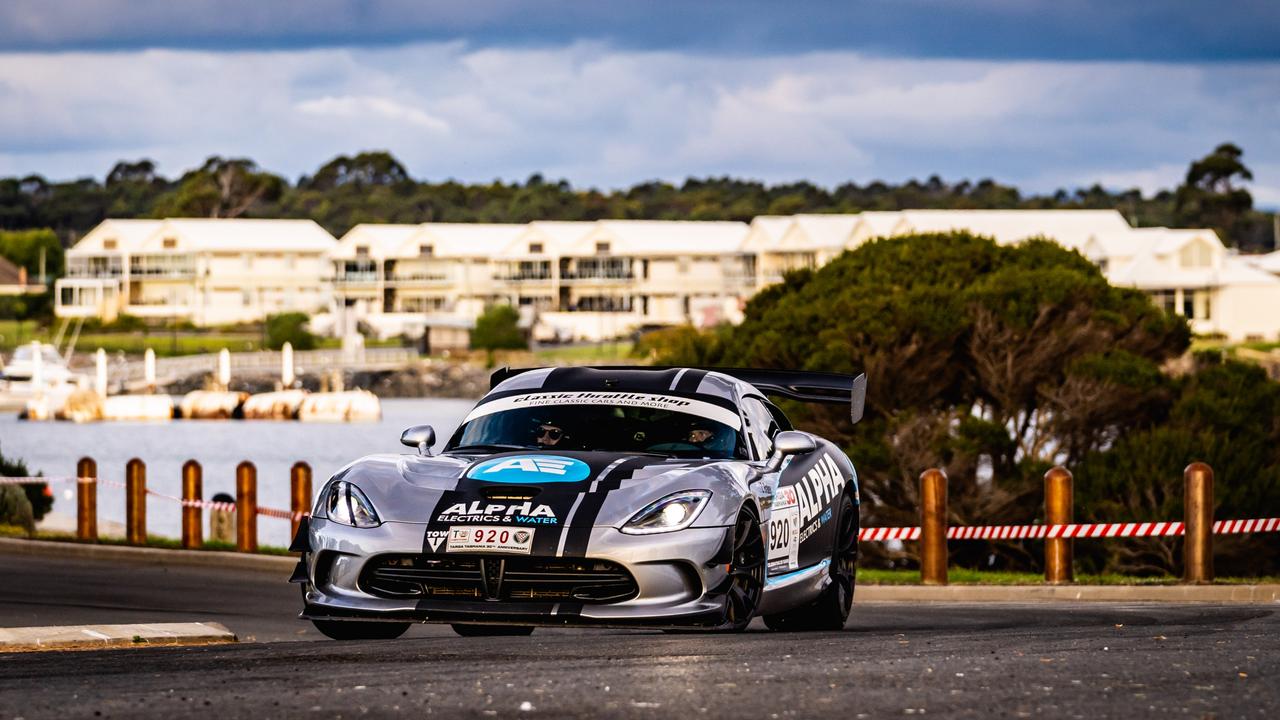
point(492, 535)
point(779, 533)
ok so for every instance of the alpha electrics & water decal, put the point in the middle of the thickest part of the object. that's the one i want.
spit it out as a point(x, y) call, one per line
point(818, 486)
point(525, 513)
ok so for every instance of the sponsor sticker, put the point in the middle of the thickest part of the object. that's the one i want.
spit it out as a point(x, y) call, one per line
point(784, 543)
point(530, 469)
point(615, 399)
point(525, 513)
point(435, 538)
point(465, 538)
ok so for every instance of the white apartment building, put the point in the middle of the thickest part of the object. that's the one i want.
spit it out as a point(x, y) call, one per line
point(400, 279)
point(570, 280)
point(204, 271)
point(596, 280)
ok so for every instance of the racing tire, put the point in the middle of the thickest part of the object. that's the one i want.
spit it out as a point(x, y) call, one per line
point(746, 573)
point(492, 630)
point(359, 630)
point(831, 609)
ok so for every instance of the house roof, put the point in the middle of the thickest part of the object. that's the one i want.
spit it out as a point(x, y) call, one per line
point(1269, 262)
point(766, 231)
point(129, 235)
point(477, 240)
point(665, 237)
point(811, 232)
point(9, 273)
point(557, 237)
point(382, 241)
point(238, 234)
point(1070, 228)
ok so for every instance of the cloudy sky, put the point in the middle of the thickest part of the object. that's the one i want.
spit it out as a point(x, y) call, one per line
point(1042, 94)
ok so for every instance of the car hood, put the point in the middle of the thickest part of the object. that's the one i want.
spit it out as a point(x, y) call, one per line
point(565, 488)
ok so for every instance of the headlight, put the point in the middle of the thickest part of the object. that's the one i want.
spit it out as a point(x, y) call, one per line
point(673, 512)
point(348, 506)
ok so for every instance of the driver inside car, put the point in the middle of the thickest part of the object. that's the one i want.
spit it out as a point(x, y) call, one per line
point(548, 435)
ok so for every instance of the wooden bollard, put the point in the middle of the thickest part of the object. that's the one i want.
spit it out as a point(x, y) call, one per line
point(246, 507)
point(1058, 510)
point(192, 514)
point(300, 493)
point(87, 500)
point(933, 527)
point(135, 494)
point(1197, 543)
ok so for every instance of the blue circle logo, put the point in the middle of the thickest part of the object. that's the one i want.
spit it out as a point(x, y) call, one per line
point(530, 469)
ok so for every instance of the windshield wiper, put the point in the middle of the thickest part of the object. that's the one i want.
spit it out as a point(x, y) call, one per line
point(488, 447)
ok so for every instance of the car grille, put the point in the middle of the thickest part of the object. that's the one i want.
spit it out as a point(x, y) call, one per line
point(486, 577)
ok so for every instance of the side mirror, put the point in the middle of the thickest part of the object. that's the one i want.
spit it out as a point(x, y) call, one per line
point(787, 443)
point(421, 437)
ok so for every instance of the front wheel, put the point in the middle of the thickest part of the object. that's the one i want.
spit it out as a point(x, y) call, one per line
point(831, 609)
point(492, 630)
point(359, 630)
point(746, 573)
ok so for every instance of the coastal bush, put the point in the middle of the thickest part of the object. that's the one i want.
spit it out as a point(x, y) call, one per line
point(290, 328)
point(498, 328)
point(38, 494)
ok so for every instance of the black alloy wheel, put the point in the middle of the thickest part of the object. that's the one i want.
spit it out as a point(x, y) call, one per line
point(831, 609)
point(360, 629)
point(492, 630)
point(746, 573)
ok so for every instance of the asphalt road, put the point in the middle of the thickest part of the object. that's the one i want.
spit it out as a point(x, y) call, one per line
point(1044, 660)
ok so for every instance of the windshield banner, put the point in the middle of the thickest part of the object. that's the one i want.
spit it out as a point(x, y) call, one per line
point(615, 399)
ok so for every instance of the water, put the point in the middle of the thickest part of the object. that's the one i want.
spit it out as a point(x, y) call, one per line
point(54, 448)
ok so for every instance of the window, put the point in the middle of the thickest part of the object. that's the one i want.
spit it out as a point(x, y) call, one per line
point(109, 244)
point(535, 248)
point(761, 427)
point(246, 298)
point(602, 247)
point(362, 251)
point(426, 250)
point(169, 243)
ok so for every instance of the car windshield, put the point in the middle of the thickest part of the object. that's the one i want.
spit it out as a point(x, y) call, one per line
point(615, 428)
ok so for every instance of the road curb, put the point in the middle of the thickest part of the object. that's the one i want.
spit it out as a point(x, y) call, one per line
point(1254, 594)
point(93, 637)
point(151, 556)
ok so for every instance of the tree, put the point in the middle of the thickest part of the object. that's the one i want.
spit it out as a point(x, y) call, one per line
point(221, 188)
point(365, 169)
point(24, 247)
point(1211, 195)
point(290, 328)
point(498, 329)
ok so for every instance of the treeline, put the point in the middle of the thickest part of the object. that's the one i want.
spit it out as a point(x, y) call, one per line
point(376, 187)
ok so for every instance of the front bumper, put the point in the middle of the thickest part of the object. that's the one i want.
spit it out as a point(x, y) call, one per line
point(676, 574)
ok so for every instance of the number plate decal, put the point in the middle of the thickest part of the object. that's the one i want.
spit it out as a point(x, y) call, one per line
point(784, 531)
point(470, 538)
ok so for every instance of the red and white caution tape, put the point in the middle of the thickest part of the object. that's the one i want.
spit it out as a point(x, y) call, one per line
point(1085, 530)
point(876, 534)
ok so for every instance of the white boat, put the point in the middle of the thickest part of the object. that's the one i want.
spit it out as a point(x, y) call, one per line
point(26, 376)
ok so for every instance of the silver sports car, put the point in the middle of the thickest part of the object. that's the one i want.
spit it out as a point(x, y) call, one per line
point(677, 498)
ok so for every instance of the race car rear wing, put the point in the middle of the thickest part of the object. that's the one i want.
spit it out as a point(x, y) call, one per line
point(803, 385)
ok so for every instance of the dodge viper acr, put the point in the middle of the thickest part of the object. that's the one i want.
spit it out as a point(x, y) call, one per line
point(675, 498)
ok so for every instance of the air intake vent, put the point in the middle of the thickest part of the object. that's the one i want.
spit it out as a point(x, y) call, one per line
point(510, 493)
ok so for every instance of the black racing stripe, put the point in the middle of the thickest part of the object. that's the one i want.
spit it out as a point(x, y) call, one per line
point(579, 530)
point(690, 381)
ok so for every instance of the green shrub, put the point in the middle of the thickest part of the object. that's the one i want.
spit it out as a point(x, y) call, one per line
point(290, 328)
point(39, 499)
